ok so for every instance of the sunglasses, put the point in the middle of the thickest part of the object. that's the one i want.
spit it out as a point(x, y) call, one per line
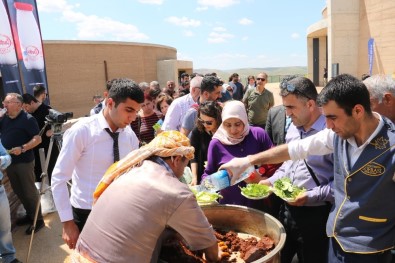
point(205, 122)
point(291, 88)
point(263, 79)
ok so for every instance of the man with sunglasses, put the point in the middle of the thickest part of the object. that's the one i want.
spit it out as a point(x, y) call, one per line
point(258, 101)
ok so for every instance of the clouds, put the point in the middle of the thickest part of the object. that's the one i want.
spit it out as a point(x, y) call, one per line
point(295, 36)
point(183, 21)
point(151, 2)
point(219, 35)
point(216, 3)
point(92, 27)
point(245, 21)
point(225, 33)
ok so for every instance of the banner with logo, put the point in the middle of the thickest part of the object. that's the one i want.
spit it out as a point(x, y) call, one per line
point(27, 37)
point(8, 62)
point(371, 54)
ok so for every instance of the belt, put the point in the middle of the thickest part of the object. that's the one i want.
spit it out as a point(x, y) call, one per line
point(81, 211)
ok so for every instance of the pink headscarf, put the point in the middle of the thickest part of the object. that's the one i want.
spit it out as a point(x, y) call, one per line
point(232, 109)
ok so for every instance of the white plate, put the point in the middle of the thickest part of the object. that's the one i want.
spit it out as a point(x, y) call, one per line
point(285, 198)
point(256, 197)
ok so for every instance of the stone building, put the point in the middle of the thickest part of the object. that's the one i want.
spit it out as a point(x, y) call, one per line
point(339, 41)
point(78, 70)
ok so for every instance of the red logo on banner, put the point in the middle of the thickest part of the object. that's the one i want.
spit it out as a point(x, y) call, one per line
point(5, 44)
point(32, 51)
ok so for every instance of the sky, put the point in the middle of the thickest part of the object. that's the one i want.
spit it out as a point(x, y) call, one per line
point(214, 34)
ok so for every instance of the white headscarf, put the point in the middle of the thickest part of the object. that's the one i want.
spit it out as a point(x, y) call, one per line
point(232, 109)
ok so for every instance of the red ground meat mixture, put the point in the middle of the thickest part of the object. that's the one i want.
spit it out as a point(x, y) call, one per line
point(250, 249)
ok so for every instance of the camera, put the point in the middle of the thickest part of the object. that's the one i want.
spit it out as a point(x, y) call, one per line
point(55, 116)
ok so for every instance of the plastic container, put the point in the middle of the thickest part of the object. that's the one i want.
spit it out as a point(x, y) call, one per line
point(221, 179)
point(2, 112)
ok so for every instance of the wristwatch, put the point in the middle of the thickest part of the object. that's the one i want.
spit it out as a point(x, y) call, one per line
point(22, 149)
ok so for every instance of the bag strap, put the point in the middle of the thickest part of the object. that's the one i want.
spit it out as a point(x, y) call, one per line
point(309, 168)
point(312, 174)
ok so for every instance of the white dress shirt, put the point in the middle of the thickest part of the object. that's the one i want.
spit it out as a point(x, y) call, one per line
point(322, 143)
point(176, 112)
point(86, 153)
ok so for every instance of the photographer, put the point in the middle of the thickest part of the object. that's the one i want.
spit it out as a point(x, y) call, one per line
point(89, 147)
point(39, 111)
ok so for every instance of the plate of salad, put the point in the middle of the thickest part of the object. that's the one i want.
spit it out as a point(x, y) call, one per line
point(256, 191)
point(205, 197)
point(284, 189)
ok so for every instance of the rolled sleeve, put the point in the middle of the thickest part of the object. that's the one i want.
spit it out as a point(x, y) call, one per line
point(320, 143)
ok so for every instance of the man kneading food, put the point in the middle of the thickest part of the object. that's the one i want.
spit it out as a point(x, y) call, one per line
point(133, 211)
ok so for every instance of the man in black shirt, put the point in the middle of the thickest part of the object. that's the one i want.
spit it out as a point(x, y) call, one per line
point(39, 111)
point(19, 135)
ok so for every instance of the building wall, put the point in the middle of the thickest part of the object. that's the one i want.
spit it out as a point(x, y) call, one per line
point(377, 21)
point(348, 26)
point(343, 35)
point(77, 70)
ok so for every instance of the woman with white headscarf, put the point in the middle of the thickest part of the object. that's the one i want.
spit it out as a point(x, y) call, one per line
point(235, 138)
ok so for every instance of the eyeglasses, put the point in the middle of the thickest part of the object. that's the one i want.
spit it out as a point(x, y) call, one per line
point(205, 122)
point(291, 88)
point(263, 79)
point(8, 102)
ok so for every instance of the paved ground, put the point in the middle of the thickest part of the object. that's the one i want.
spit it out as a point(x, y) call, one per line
point(47, 245)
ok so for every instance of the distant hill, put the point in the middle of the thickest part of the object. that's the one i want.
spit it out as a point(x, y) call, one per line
point(274, 73)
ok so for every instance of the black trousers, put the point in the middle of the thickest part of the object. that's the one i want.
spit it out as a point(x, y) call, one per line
point(306, 233)
point(337, 255)
point(80, 216)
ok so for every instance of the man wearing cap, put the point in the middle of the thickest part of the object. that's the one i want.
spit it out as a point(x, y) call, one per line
point(143, 202)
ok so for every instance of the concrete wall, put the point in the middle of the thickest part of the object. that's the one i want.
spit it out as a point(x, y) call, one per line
point(349, 25)
point(77, 70)
point(343, 35)
point(377, 21)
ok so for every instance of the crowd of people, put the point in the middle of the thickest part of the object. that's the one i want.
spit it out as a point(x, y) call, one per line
point(129, 158)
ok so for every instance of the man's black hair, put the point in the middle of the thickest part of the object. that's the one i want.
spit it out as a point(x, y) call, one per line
point(209, 83)
point(38, 90)
point(123, 88)
point(28, 98)
point(301, 87)
point(347, 91)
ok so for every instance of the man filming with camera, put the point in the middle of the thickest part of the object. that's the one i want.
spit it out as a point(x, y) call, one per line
point(89, 147)
point(39, 111)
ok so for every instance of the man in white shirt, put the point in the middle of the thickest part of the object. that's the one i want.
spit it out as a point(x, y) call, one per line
point(177, 109)
point(88, 150)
